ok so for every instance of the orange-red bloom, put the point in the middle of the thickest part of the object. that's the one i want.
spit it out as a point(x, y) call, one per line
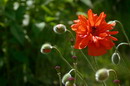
point(94, 32)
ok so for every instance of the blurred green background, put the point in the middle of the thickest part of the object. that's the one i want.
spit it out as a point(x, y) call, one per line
point(27, 24)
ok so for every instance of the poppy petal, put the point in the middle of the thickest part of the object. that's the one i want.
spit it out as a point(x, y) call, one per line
point(103, 35)
point(90, 17)
point(100, 19)
point(95, 40)
point(108, 44)
point(74, 27)
point(77, 43)
point(112, 38)
point(76, 21)
point(85, 41)
point(105, 27)
point(82, 18)
point(113, 32)
point(96, 51)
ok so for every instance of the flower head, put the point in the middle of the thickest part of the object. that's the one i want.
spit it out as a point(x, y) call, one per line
point(94, 32)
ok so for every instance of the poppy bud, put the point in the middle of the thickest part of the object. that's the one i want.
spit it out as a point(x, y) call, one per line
point(57, 68)
point(102, 75)
point(74, 57)
point(72, 41)
point(68, 83)
point(71, 79)
point(65, 78)
point(115, 58)
point(116, 81)
point(112, 23)
point(46, 48)
point(59, 29)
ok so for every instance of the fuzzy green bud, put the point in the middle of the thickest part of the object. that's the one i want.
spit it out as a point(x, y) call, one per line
point(68, 77)
point(115, 58)
point(46, 48)
point(68, 83)
point(102, 75)
point(59, 28)
point(65, 78)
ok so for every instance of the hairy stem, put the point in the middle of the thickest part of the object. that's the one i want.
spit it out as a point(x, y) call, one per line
point(86, 58)
point(59, 75)
point(78, 73)
point(123, 30)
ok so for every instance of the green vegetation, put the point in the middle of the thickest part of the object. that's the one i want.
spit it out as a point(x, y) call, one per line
point(25, 25)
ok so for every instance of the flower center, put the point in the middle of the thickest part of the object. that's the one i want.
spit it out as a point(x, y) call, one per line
point(94, 30)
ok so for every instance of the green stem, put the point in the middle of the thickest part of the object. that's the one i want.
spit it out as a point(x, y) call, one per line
point(60, 81)
point(96, 66)
point(95, 62)
point(84, 54)
point(78, 73)
point(116, 51)
point(123, 30)
point(75, 67)
point(104, 84)
point(7, 65)
point(71, 34)
point(63, 58)
point(5, 46)
point(111, 70)
point(86, 58)
point(115, 74)
point(121, 44)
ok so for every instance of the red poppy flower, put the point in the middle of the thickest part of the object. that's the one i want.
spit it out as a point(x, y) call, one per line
point(94, 32)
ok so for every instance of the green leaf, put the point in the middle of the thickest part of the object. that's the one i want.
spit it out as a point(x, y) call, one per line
point(18, 33)
point(49, 18)
point(88, 3)
point(20, 12)
point(10, 14)
point(47, 10)
point(2, 24)
point(3, 81)
point(19, 56)
point(3, 2)
point(38, 27)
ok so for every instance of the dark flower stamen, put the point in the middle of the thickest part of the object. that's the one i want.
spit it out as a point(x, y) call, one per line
point(94, 28)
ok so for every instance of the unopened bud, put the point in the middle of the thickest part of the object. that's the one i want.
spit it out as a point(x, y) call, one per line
point(102, 75)
point(116, 81)
point(57, 68)
point(115, 58)
point(74, 57)
point(112, 23)
point(72, 41)
point(46, 48)
point(65, 78)
point(59, 29)
point(68, 83)
point(71, 79)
